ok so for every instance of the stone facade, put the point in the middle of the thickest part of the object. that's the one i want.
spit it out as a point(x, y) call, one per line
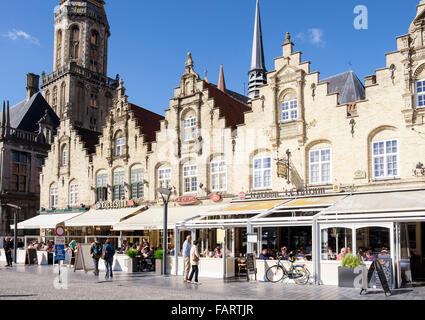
point(212, 141)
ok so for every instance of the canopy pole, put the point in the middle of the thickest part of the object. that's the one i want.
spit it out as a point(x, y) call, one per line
point(225, 255)
point(249, 246)
point(316, 243)
point(176, 249)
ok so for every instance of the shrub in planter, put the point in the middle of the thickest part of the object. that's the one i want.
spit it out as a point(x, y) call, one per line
point(349, 271)
point(158, 261)
point(132, 262)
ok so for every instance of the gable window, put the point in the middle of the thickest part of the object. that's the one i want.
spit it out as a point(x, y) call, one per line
point(19, 171)
point(385, 159)
point(119, 145)
point(420, 93)
point(164, 178)
point(73, 194)
point(320, 166)
point(218, 176)
point(136, 184)
point(64, 157)
point(189, 129)
point(101, 187)
point(119, 183)
point(190, 175)
point(289, 110)
point(262, 173)
point(53, 197)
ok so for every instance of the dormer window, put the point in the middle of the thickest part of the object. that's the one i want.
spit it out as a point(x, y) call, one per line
point(289, 110)
point(64, 156)
point(189, 129)
point(420, 94)
point(119, 144)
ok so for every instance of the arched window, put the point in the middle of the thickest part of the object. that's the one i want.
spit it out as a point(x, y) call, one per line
point(47, 96)
point(336, 242)
point(64, 156)
point(119, 184)
point(59, 49)
point(119, 144)
point(385, 155)
point(55, 99)
point(75, 42)
point(320, 164)
point(137, 185)
point(94, 51)
point(62, 99)
point(189, 125)
point(53, 196)
point(94, 37)
point(164, 177)
point(73, 193)
point(94, 99)
point(218, 175)
point(262, 172)
point(102, 186)
point(288, 107)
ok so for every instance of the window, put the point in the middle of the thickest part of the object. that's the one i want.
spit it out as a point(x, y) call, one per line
point(420, 93)
point(289, 110)
point(53, 197)
point(137, 184)
point(19, 171)
point(48, 96)
point(164, 178)
point(189, 129)
point(119, 146)
point(73, 194)
point(385, 159)
point(119, 180)
point(218, 176)
point(64, 159)
point(75, 43)
point(93, 99)
point(93, 39)
point(55, 98)
point(320, 166)
point(263, 173)
point(59, 49)
point(101, 187)
point(190, 175)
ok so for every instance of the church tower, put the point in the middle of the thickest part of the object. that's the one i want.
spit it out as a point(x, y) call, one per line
point(257, 73)
point(79, 88)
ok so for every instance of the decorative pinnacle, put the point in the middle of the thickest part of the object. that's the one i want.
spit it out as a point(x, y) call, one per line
point(288, 37)
point(189, 60)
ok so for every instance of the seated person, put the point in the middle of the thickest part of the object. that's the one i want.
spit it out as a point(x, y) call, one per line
point(283, 254)
point(369, 256)
point(217, 253)
point(331, 255)
point(300, 255)
point(361, 254)
point(264, 255)
point(342, 254)
point(384, 254)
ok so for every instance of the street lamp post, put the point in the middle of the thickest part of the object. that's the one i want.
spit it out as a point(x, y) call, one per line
point(165, 194)
point(15, 222)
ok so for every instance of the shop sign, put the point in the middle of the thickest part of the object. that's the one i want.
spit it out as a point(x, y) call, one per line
point(215, 197)
point(252, 237)
point(359, 174)
point(282, 170)
point(287, 193)
point(221, 235)
point(337, 188)
point(116, 204)
point(186, 200)
point(242, 195)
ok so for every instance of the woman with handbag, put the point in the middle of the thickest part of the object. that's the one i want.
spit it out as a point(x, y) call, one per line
point(194, 261)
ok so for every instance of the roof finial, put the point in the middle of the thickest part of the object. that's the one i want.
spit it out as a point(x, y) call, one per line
point(205, 77)
point(221, 82)
point(288, 37)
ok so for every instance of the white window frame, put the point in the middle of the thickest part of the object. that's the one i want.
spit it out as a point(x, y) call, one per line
point(320, 163)
point(164, 177)
point(385, 156)
point(53, 197)
point(64, 156)
point(262, 171)
point(220, 175)
point(189, 129)
point(422, 94)
point(136, 182)
point(120, 184)
point(119, 146)
point(101, 180)
point(190, 178)
point(291, 108)
point(73, 194)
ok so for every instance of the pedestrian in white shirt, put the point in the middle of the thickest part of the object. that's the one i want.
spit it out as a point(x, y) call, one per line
point(194, 261)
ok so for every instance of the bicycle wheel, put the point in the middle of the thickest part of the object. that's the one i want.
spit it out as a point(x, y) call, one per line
point(275, 273)
point(300, 275)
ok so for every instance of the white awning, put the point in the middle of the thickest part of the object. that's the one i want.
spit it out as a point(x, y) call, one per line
point(46, 221)
point(152, 219)
point(103, 217)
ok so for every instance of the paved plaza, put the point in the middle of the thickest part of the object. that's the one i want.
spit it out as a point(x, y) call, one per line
point(38, 282)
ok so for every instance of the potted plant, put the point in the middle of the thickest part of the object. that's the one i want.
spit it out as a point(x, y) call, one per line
point(351, 273)
point(158, 261)
point(132, 262)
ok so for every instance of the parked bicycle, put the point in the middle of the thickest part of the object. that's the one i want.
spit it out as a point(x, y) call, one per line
point(278, 272)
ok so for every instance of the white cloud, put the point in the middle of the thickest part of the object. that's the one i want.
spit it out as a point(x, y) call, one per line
point(17, 34)
point(300, 36)
point(316, 36)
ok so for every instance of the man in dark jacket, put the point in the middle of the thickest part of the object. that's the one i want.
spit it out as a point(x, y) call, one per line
point(8, 247)
point(96, 252)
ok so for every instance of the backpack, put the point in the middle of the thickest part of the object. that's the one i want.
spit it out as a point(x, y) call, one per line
point(97, 250)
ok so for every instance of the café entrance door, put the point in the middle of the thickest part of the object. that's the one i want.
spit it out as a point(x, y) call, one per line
point(416, 236)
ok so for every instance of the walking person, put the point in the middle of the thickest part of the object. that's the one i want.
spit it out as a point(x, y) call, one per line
point(96, 252)
point(109, 258)
point(8, 247)
point(194, 260)
point(186, 257)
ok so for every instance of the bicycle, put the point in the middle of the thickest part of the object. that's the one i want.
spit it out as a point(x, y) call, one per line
point(278, 272)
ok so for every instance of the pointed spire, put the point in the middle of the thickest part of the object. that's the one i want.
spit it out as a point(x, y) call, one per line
point(257, 73)
point(205, 77)
point(189, 63)
point(3, 120)
point(8, 115)
point(221, 82)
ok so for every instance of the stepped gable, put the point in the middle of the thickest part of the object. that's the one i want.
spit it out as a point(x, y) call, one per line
point(150, 122)
point(89, 138)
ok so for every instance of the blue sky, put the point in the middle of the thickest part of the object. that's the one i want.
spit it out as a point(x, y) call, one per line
point(150, 40)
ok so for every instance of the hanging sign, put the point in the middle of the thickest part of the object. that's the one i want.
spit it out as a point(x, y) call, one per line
point(242, 195)
point(221, 234)
point(359, 174)
point(215, 197)
point(282, 170)
point(252, 237)
point(186, 200)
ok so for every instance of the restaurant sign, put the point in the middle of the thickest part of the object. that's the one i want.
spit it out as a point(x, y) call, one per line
point(186, 200)
point(287, 193)
point(116, 204)
point(215, 197)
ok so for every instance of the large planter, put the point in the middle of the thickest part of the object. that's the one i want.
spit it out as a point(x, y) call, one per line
point(352, 277)
point(132, 265)
point(158, 267)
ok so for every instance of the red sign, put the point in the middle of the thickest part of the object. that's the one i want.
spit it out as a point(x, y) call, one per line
point(60, 231)
point(215, 197)
point(130, 203)
point(186, 200)
point(242, 195)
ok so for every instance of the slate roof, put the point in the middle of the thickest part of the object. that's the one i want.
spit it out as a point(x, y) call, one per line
point(349, 87)
point(26, 114)
point(150, 122)
point(89, 138)
point(230, 107)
